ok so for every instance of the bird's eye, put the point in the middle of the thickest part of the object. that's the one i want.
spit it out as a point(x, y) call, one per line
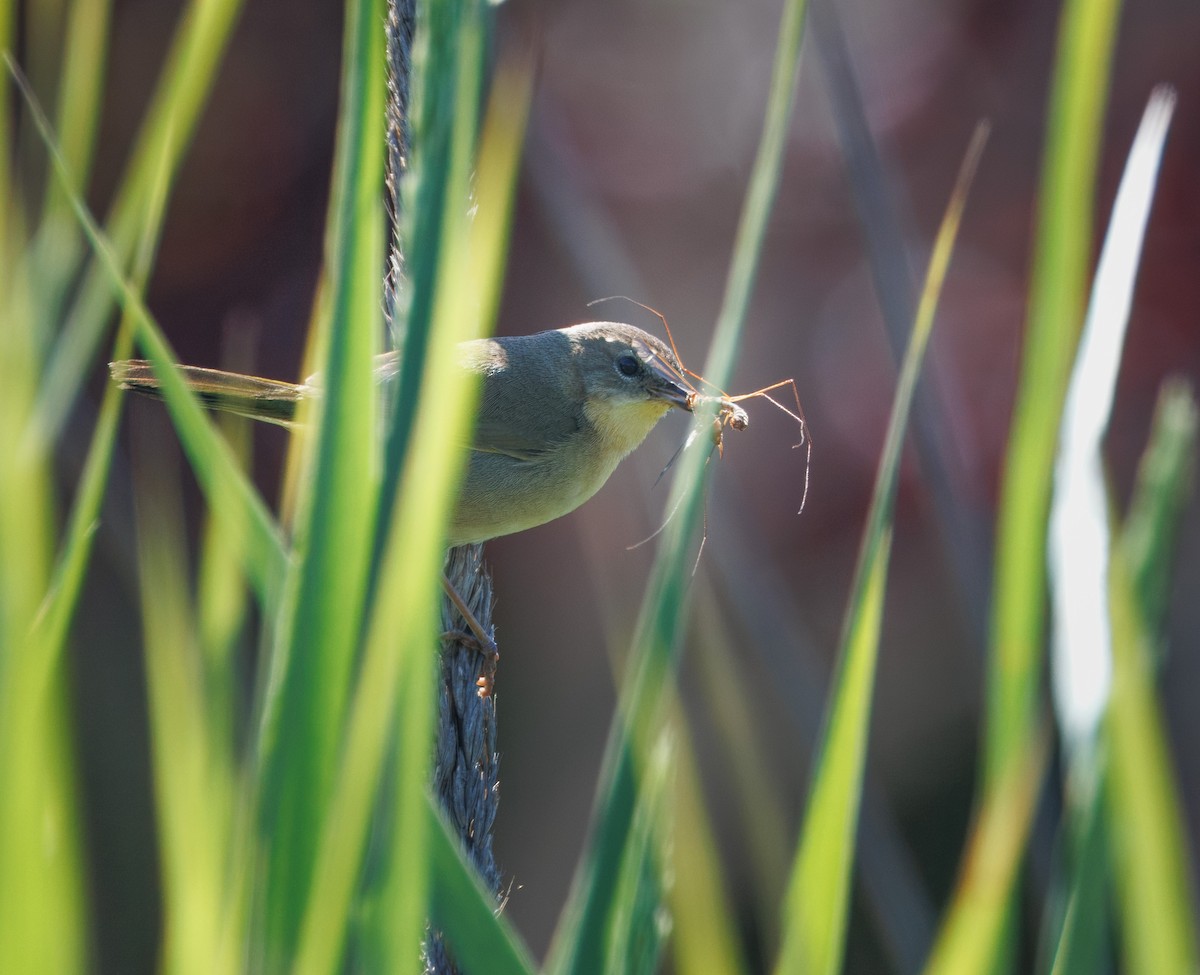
point(628, 365)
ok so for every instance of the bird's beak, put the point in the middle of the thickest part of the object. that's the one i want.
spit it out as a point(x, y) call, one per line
point(669, 387)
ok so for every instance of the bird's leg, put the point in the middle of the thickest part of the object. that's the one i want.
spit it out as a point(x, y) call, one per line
point(478, 635)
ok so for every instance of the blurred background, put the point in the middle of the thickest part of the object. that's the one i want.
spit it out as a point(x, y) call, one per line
point(644, 125)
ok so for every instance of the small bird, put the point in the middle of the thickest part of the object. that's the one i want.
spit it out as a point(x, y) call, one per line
point(559, 410)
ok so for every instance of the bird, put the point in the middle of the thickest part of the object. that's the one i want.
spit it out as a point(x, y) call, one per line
point(558, 412)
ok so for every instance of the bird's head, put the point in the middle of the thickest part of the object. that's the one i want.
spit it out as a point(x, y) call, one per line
point(630, 380)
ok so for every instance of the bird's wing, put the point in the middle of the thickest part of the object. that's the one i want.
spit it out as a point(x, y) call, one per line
point(529, 407)
point(520, 445)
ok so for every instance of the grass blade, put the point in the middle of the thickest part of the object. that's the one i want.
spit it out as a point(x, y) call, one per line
point(178, 100)
point(975, 922)
point(393, 699)
point(80, 89)
point(818, 894)
point(1165, 478)
point(638, 927)
point(1055, 314)
point(42, 910)
point(1079, 543)
point(58, 608)
point(1156, 903)
point(1062, 251)
point(315, 649)
point(704, 936)
point(464, 910)
point(229, 492)
point(193, 780)
point(579, 939)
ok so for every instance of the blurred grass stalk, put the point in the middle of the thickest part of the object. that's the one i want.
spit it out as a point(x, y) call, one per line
point(1062, 251)
point(585, 930)
point(1105, 705)
point(206, 793)
point(1155, 900)
point(818, 899)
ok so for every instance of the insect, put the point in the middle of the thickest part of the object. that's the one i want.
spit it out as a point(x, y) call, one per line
point(729, 413)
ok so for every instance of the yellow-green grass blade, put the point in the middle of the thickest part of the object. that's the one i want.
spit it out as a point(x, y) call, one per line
point(733, 706)
point(975, 921)
point(193, 780)
point(1079, 543)
point(228, 491)
point(58, 608)
point(1055, 313)
point(703, 937)
point(1146, 541)
point(468, 292)
point(316, 642)
point(81, 62)
point(178, 99)
point(1155, 901)
point(817, 902)
point(579, 938)
point(42, 910)
point(81, 85)
point(392, 705)
point(1062, 252)
point(42, 907)
point(222, 599)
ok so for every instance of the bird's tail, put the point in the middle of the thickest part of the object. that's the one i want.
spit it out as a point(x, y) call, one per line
point(260, 399)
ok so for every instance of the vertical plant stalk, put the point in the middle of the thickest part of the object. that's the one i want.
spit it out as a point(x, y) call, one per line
point(401, 24)
point(466, 763)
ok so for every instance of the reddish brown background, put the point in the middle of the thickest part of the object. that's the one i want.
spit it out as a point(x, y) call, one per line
point(644, 125)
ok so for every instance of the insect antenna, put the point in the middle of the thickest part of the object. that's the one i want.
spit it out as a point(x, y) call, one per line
point(674, 367)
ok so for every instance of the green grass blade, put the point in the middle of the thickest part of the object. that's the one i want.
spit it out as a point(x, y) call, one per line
point(818, 895)
point(464, 911)
point(57, 245)
point(179, 97)
point(468, 294)
point(1083, 934)
point(704, 936)
point(393, 699)
point(229, 492)
point(57, 611)
point(637, 928)
point(315, 649)
point(1164, 482)
point(80, 89)
point(193, 783)
point(1055, 314)
point(221, 597)
point(579, 939)
point(42, 912)
point(436, 58)
point(1155, 900)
